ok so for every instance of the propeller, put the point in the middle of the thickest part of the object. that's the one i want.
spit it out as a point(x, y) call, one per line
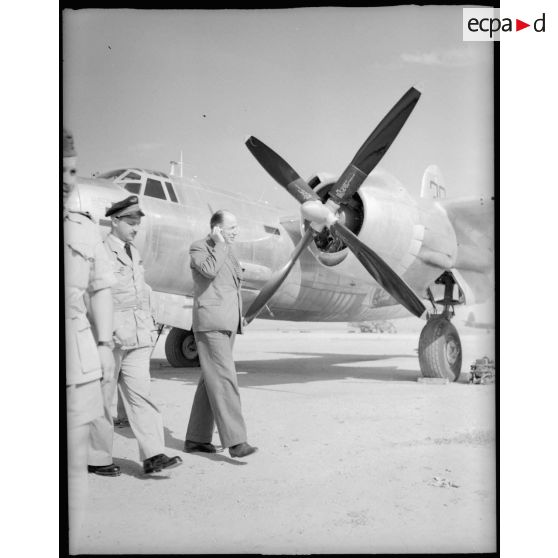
point(325, 215)
point(374, 148)
point(277, 278)
point(281, 171)
point(380, 270)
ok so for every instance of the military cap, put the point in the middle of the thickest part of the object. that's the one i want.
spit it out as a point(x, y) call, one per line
point(68, 144)
point(129, 206)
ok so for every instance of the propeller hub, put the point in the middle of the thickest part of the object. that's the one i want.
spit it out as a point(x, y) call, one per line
point(318, 214)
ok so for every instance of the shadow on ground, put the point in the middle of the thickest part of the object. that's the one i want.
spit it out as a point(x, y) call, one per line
point(305, 367)
point(134, 469)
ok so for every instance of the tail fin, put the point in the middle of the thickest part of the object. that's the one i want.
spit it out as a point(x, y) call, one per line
point(433, 185)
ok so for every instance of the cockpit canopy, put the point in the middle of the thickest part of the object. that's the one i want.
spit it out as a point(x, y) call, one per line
point(143, 182)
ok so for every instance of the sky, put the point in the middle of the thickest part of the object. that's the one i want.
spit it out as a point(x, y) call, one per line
point(139, 86)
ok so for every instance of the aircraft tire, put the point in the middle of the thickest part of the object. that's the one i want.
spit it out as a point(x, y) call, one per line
point(440, 353)
point(180, 349)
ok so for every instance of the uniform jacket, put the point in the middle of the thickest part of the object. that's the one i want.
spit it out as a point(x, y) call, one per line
point(217, 278)
point(87, 268)
point(131, 297)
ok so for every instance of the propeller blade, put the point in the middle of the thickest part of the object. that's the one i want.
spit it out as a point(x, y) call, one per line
point(277, 279)
point(380, 270)
point(374, 148)
point(281, 171)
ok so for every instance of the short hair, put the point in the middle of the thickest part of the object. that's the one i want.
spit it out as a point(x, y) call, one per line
point(218, 217)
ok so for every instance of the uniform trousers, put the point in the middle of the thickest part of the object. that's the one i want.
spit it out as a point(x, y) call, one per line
point(120, 409)
point(217, 398)
point(134, 384)
point(84, 403)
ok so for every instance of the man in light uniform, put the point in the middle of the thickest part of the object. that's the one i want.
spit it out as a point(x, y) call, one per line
point(87, 273)
point(217, 318)
point(134, 336)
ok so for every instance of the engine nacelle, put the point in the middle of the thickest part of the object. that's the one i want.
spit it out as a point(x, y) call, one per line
point(385, 217)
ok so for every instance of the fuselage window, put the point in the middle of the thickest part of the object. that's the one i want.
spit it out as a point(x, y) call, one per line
point(154, 189)
point(133, 187)
point(271, 230)
point(170, 190)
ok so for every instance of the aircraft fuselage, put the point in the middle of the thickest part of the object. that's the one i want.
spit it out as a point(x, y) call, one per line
point(415, 237)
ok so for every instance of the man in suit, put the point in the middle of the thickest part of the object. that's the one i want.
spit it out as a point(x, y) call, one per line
point(217, 318)
point(134, 336)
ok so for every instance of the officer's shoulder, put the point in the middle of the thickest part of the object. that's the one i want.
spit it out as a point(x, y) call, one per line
point(80, 228)
point(80, 216)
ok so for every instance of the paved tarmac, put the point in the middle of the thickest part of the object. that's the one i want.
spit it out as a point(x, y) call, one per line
point(355, 455)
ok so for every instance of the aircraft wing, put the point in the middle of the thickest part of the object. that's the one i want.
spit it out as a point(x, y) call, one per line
point(472, 220)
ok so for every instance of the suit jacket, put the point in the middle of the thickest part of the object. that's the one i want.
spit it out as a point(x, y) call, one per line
point(217, 278)
point(131, 297)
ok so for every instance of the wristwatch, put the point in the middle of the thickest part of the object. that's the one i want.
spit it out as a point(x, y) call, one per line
point(109, 344)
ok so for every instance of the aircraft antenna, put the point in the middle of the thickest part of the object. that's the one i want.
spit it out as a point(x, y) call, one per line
point(173, 166)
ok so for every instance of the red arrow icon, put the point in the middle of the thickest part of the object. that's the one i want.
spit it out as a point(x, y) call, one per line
point(519, 25)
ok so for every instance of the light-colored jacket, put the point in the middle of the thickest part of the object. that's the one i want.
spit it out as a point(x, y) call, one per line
point(87, 269)
point(131, 297)
point(217, 278)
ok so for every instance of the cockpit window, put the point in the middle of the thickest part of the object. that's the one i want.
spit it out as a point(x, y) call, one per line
point(170, 190)
point(133, 187)
point(154, 189)
point(111, 174)
point(132, 176)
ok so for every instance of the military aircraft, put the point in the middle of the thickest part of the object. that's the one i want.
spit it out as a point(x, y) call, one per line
point(361, 249)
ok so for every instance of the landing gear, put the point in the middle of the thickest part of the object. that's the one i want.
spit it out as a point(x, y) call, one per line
point(440, 349)
point(180, 349)
point(440, 353)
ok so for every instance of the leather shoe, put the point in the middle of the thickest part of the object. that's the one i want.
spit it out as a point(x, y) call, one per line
point(111, 470)
point(242, 450)
point(203, 447)
point(159, 462)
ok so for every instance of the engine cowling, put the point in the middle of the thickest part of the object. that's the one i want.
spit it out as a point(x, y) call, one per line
point(387, 219)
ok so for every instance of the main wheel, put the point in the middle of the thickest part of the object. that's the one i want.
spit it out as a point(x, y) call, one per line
point(180, 348)
point(439, 351)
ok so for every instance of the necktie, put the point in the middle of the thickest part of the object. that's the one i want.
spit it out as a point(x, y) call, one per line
point(128, 250)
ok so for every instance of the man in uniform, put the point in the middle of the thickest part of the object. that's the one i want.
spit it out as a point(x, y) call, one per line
point(87, 273)
point(134, 335)
point(121, 420)
point(217, 318)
